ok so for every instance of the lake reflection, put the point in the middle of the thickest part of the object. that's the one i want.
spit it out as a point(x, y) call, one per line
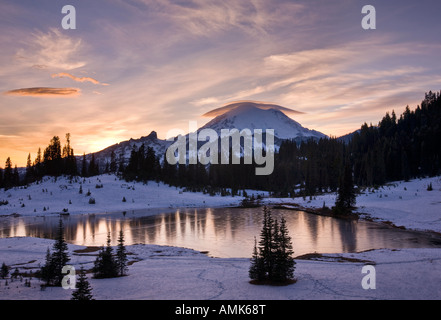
point(223, 232)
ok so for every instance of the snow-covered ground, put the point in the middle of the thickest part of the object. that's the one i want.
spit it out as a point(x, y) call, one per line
point(52, 196)
point(175, 273)
point(160, 272)
point(407, 204)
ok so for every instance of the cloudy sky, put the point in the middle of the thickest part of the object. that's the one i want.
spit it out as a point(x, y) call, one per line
point(135, 66)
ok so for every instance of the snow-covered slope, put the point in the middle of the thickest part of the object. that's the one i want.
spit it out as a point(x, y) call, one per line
point(55, 195)
point(123, 150)
point(253, 115)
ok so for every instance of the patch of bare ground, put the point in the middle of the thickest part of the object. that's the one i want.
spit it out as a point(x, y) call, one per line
point(133, 261)
point(324, 211)
point(321, 257)
point(87, 250)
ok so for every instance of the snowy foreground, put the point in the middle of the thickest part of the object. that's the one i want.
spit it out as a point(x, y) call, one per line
point(176, 273)
point(52, 196)
point(159, 272)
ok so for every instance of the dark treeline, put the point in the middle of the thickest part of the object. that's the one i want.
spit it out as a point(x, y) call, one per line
point(398, 148)
point(395, 149)
point(55, 160)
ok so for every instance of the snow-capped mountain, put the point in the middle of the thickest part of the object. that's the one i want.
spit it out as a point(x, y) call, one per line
point(253, 115)
point(242, 115)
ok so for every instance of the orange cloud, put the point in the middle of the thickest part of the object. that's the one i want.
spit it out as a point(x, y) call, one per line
point(78, 79)
point(44, 92)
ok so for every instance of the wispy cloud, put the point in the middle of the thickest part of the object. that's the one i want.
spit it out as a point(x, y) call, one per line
point(78, 79)
point(204, 17)
point(44, 92)
point(51, 50)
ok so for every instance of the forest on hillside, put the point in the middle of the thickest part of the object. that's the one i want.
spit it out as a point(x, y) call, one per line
point(397, 148)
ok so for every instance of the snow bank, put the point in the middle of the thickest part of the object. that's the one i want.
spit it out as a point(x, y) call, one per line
point(164, 273)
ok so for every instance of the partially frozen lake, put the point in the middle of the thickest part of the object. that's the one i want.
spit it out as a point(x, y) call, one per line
point(223, 232)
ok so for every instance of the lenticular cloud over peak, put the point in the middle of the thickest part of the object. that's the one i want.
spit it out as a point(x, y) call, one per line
point(247, 104)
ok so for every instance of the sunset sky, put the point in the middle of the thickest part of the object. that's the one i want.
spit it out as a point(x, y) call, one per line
point(135, 66)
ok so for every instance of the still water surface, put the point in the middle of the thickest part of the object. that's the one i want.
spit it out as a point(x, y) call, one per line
point(223, 232)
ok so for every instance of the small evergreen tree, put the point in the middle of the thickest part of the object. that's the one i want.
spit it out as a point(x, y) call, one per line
point(4, 271)
point(47, 271)
point(1, 178)
point(121, 255)
point(51, 272)
point(84, 172)
point(105, 264)
point(60, 256)
point(273, 260)
point(257, 270)
point(83, 289)
point(8, 179)
point(266, 241)
point(29, 177)
point(284, 264)
point(93, 166)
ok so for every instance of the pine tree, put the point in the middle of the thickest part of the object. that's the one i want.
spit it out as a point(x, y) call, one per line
point(105, 265)
point(84, 172)
point(266, 242)
point(346, 197)
point(8, 175)
point(284, 264)
point(15, 177)
point(38, 170)
point(121, 255)
point(83, 289)
point(257, 270)
point(273, 260)
point(29, 170)
point(60, 255)
point(93, 166)
point(4, 271)
point(51, 272)
point(70, 161)
point(52, 157)
point(47, 271)
point(1, 178)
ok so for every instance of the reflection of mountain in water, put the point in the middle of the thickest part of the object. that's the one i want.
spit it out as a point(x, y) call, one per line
point(224, 232)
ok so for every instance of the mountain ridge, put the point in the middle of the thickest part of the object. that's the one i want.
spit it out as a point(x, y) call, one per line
point(244, 115)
